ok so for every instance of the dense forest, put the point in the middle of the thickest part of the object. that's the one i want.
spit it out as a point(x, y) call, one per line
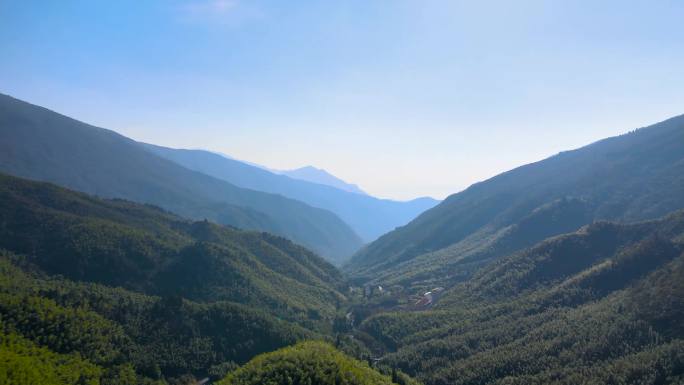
point(310, 362)
point(126, 291)
point(603, 305)
point(121, 337)
point(143, 248)
point(110, 292)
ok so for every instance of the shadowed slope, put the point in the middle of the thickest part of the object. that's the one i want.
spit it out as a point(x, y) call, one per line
point(40, 144)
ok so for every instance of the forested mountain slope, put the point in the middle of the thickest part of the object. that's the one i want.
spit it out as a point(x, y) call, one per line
point(96, 291)
point(600, 305)
point(39, 144)
point(309, 362)
point(635, 176)
point(55, 331)
point(195, 298)
point(370, 217)
point(119, 243)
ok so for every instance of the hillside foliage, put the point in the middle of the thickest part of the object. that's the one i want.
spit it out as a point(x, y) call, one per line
point(310, 362)
point(119, 243)
point(602, 305)
point(129, 293)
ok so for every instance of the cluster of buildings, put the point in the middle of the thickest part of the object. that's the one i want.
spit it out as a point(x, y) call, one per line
point(429, 297)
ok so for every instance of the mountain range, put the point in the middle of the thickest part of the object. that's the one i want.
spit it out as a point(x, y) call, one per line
point(127, 263)
point(368, 216)
point(39, 144)
point(307, 173)
point(320, 176)
point(43, 145)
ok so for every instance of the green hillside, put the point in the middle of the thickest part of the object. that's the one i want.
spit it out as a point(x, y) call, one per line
point(119, 243)
point(595, 260)
point(40, 144)
point(96, 291)
point(309, 362)
point(601, 305)
point(636, 176)
point(192, 299)
point(25, 363)
point(67, 332)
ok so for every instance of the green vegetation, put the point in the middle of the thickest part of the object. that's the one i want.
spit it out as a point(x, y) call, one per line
point(602, 305)
point(62, 332)
point(110, 292)
point(142, 248)
point(306, 363)
point(40, 144)
point(65, 251)
point(129, 334)
point(526, 304)
point(22, 362)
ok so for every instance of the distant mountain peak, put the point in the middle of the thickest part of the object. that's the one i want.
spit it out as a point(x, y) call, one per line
point(318, 175)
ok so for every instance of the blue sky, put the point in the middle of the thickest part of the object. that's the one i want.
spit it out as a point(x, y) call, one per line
point(404, 98)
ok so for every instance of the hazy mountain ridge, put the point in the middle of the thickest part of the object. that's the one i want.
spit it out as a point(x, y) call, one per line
point(635, 176)
point(307, 173)
point(320, 176)
point(370, 217)
point(40, 144)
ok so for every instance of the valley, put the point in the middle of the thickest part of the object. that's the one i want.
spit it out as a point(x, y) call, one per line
point(260, 192)
point(198, 269)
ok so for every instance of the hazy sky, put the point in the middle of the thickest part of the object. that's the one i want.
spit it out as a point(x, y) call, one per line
point(404, 98)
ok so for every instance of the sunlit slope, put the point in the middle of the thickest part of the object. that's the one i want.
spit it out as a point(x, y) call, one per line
point(635, 176)
point(309, 362)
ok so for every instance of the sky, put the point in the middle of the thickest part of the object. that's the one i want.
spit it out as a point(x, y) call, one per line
point(405, 98)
